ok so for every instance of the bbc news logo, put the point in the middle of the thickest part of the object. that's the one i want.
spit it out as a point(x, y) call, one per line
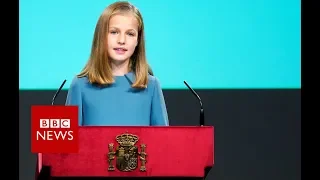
point(54, 129)
point(55, 134)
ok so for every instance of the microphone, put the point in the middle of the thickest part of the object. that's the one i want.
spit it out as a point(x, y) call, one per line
point(56, 94)
point(201, 106)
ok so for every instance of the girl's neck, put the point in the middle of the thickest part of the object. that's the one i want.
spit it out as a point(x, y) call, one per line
point(120, 69)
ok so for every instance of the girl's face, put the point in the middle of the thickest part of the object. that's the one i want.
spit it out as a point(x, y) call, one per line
point(122, 37)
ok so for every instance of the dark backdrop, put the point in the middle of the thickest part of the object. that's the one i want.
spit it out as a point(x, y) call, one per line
point(257, 132)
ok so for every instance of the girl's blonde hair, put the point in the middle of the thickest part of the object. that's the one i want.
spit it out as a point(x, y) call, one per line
point(98, 68)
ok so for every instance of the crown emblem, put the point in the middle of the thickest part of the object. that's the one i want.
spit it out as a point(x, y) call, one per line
point(127, 139)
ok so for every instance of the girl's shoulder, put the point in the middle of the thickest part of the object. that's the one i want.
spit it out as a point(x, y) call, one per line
point(78, 82)
point(153, 81)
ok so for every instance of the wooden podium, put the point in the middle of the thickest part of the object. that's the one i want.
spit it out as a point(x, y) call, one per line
point(134, 152)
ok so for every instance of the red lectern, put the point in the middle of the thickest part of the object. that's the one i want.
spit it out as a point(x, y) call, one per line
point(134, 152)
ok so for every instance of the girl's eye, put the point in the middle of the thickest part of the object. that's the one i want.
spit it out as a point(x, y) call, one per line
point(131, 34)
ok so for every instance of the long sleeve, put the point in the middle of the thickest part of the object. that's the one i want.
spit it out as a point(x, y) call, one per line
point(74, 98)
point(159, 115)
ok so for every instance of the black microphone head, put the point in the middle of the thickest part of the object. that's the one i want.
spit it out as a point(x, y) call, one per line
point(58, 91)
point(63, 83)
point(185, 82)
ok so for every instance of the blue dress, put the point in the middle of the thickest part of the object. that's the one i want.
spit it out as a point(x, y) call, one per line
point(118, 104)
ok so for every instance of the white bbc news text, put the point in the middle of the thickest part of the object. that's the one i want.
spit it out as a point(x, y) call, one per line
point(55, 135)
point(55, 123)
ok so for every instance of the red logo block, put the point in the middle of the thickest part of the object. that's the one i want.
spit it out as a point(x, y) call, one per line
point(54, 129)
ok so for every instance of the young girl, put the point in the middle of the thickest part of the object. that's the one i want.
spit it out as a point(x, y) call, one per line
point(116, 87)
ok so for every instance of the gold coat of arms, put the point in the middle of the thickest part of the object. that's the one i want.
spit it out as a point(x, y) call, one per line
point(127, 154)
